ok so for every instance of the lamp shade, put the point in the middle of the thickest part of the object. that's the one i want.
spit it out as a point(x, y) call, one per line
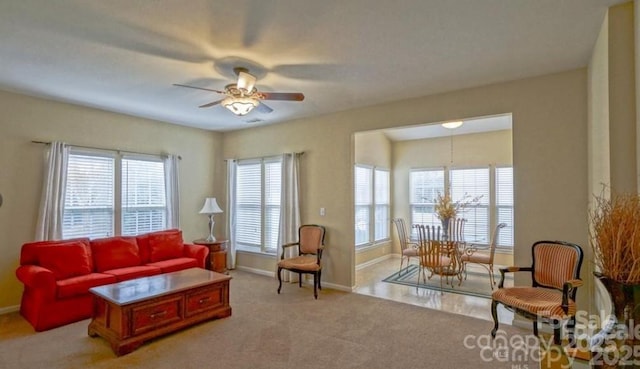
point(240, 105)
point(210, 206)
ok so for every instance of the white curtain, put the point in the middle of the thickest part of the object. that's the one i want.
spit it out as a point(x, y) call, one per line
point(289, 209)
point(172, 188)
point(231, 214)
point(50, 216)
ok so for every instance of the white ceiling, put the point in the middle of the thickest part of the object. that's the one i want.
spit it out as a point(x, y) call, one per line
point(124, 55)
point(469, 126)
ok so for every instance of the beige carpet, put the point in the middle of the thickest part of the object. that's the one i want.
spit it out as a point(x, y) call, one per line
point(267, 330)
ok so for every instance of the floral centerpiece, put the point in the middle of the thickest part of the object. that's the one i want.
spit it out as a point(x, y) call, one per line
point(447, 209)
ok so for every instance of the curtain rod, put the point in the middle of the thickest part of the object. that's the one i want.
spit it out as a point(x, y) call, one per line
point(266, 156)
point(102, 148)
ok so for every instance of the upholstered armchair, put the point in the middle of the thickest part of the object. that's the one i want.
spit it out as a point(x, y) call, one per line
point(555, 274)
point(309, 256)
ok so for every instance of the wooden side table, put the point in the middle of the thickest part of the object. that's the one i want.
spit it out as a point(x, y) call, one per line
point(217, 254)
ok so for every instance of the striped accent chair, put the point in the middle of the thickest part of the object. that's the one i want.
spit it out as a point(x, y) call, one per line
point(309, 256)
point(555, 274)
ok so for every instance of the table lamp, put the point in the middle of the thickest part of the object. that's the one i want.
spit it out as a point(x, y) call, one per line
point(210, 208)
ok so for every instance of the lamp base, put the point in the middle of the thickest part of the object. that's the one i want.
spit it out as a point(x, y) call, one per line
point(210, 238)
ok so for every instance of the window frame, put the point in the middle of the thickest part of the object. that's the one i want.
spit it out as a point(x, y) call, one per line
point(371, 206)
point(491, 205)
point(262, 248)
point(117, 208)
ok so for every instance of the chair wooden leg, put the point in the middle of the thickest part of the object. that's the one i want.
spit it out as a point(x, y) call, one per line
point(279, 280)
point(492, 278)
point(319, 279)
point(494, 315)
point(315, 285)
point(557, 330)
point(535, 328)
point(402, 262)
point(571, 326)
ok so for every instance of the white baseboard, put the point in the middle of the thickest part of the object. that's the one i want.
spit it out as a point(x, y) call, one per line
point(376, 260)
point(267, 273)
point(9, 309)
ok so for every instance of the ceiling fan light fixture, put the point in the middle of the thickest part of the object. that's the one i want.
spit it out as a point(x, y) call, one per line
point(452, 125)
point(240, 105)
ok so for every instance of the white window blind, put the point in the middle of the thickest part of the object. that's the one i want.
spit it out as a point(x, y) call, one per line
point(272, 193)
point(144, 197)
point(249, 203)
point(258, 193)
point(504, 204)
point(382, 204)
point(363, 202)
point(467, 184)
point(425, 185)
point(89, 199)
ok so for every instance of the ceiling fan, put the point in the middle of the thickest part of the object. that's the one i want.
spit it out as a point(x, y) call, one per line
point(242, 97)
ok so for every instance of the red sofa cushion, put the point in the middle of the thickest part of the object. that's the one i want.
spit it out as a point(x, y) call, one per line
point(80, 285)
point(173, 265)
point(143, 244)
point(65, 260)
point(124, 274)
point(165, 245)
point(30, 250)
point(115, 252)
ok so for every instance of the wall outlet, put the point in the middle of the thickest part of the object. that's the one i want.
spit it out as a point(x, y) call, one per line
point(322, 212)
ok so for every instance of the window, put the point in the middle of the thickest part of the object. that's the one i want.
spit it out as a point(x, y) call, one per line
point(494, 206)
point(372, 205)
point(467, 184)
point(99, 203)
point(258, 204)
point(424, 188)
point(504, 204)
point(363, 201)
point(381, 201)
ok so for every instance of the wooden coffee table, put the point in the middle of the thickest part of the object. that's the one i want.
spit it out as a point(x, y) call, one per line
point(131, 312)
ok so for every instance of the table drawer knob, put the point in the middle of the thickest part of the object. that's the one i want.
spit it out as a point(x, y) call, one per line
point(158, 314)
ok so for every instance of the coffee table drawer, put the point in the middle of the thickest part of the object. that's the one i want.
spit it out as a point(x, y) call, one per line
point(204, 299)
point(150, 316)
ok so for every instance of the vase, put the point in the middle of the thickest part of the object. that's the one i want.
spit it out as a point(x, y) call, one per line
point(625, 298)
point(445, 228)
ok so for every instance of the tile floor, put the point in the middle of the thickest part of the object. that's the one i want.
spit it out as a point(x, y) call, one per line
point(369, 282)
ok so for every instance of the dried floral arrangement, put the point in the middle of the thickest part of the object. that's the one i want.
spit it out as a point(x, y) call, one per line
point(615, 236)
point(446, 208)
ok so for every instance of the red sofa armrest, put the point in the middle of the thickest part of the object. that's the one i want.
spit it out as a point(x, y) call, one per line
point(37, 277)
point(198, 252)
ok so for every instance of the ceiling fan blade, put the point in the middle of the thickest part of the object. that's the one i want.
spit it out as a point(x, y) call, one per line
point(211, 104)
point(285, 96)
point(263, 108)
point(199, 88)
point(246, 81)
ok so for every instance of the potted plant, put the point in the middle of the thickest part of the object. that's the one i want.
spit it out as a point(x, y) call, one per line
point(615, 240)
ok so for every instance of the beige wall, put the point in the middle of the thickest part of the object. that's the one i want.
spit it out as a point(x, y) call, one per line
point(373, 148)
point(481, 149)
point(549, 158)
point(24, 119)
point(622, 99)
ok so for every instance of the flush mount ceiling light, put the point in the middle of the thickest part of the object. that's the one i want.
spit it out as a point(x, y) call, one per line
point(452, 125)
point(240, 105)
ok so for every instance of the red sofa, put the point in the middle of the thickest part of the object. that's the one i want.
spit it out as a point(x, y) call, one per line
point(57, 275)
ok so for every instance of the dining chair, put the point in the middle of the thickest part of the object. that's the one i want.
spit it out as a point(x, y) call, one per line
point(433, 255)
point(484, 259)
point(309, 256)
point(456, 229)
point(555, 273)
point(408, 249)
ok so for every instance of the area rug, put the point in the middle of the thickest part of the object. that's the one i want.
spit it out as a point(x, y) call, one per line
point(476, 284)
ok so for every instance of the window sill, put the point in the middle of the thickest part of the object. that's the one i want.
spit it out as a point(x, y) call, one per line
point(251, 251)
point(372, 246)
